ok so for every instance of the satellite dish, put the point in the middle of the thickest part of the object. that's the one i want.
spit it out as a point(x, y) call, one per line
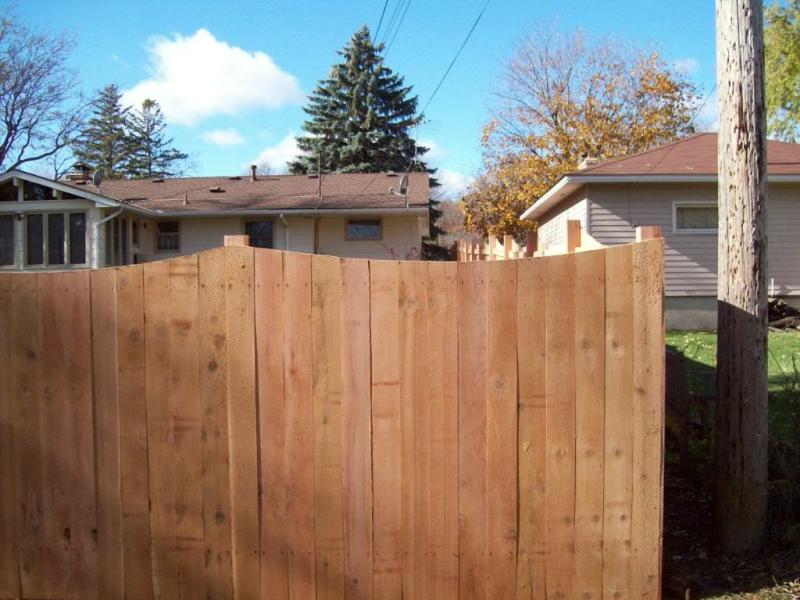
point(404, 185)
point(97, 178)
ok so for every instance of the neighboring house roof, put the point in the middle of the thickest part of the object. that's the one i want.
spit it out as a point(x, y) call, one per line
point(199, 195)
point(690, 159)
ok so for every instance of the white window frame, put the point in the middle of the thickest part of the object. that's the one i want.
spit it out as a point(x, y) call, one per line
point(690, 204)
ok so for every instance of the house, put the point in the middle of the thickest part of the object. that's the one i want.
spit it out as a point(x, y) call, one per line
point(73, 223)
point(675, 187)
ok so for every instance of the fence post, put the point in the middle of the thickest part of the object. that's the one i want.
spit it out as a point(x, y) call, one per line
point(237, 240)
point(573, 235)
point(648, 232)
point(531, 242)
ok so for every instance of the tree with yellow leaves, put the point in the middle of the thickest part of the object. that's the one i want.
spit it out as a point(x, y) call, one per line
point(561, 98)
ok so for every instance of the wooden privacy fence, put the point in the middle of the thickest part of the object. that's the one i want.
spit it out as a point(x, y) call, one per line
point(256, 424)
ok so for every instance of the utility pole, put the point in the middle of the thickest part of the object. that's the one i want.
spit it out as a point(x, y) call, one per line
point(740, 456)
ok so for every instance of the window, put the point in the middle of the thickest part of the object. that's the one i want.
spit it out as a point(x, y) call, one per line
point(8, 192)
point(168, 236)
point(124, 241)
point(60, 238)
point(695, 218)
point(34, 191)
point(135, 232)
point(6, 240)
point(77, 238)
point(364, 229)
point(260, 233)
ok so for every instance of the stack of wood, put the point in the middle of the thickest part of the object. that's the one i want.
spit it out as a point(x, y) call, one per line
point(783, 316)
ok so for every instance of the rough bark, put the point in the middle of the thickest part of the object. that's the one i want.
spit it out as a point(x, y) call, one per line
point(740, 473)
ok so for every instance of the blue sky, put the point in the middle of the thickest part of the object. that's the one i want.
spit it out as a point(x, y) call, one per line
point(232, 76)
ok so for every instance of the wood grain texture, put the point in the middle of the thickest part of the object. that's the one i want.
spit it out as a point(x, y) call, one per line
point(270, 316)
point(134, 467)
point(9, 511)
point(386, 428)
point(589, 422)
point(648, 419)
point(443, 430)
point(357, 426)
point(560, 425)
point(326, 341)
point(242, 421)
point(473, 280)
point(532, 449)
point(213, 375)
point(618, 429)
point(501, 453)
point(111, 577)
point(299, 456)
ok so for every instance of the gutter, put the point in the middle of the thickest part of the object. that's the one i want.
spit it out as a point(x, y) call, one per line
point(286, 229)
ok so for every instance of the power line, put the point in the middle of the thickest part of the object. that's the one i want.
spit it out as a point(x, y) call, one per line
point(455, 58)
point(380, 21)
point(397, 29)
point(392, 19)
point(702, 105)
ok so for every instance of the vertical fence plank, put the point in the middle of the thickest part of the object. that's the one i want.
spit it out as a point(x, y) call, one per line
point(110, 572)
point(532, 452)
point(648, 419)
point(618, 432)
point(270, 322)
point(560, 425)
point(174, 428)
point(9, 508)
point(501, 431)
point(134, 468)
point(213, 374)
point(242, 421)
point(589, 418)
point(443, 432)
point(326, 334)
point(299, 457)
point(356, 415)
point(472, 468)
point(414, 414)
point(386, 428)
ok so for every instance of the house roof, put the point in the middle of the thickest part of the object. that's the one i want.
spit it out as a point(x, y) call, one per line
point(197, 195)
point(693, 155)
point(691, 159)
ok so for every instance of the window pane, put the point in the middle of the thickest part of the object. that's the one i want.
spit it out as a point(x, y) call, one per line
point(55, 239)
point(135, 233)
point(8, 193)
point(77, 238)
point(167, 236)
point(260, 233)
point(364, 229)
point(34, 191)
point(124, 241)
point(6, 240)
point(35, 239)
point(697, 217)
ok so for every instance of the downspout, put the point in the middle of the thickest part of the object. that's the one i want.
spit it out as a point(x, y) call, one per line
point(95, 256)
point(285, 229)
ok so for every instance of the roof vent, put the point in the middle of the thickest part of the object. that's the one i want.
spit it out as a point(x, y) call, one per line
point(391, 174)
point(588, 161)
point(234, 178)
point(157, 180)
point(313, 176)
point(216, 190)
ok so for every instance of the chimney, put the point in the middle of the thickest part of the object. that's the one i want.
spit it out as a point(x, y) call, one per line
point(253, 173)
point(588, 161)
point(80, 173)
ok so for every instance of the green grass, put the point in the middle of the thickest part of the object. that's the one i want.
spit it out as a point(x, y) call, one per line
point(700, 349)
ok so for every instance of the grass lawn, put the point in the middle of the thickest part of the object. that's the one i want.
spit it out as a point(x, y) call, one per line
point(700, 348)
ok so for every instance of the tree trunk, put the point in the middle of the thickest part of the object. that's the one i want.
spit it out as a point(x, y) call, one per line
point(740, 470)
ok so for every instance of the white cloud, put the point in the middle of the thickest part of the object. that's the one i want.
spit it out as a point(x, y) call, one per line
point(687, 66)
point(453, 183)
point(199, 76)
point(223, 137)
point(435, 152)
point(275, 157)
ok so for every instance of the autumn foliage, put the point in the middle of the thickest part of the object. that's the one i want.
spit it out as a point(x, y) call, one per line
point(561, 98)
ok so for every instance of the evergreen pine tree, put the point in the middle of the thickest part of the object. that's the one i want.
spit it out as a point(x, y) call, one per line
point(360, 121)
point(103, 143)
point(150, 152)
